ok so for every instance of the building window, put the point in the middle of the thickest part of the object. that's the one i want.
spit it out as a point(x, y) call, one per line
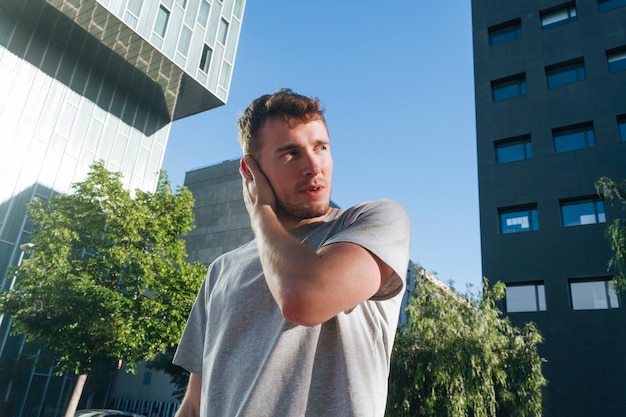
point(222, 32)
point(203, 14)
point(509, 87)
point(514, 149)
point(606, 5)
point(565, 73)
point(504, 32)
point(621, 124)
point(160, 26)
point(559, 15)
point(133, 9)
point(182, 3)
point(587, 210)
point(184, 41)
point(205, 59)
point(238, 10)
point(572, 138)
point(525, 297)
point(518, 219)
point(596, 294)
point(616, 59)
point(147, 378)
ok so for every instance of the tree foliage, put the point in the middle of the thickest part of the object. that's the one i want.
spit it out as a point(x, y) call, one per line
point(458, 356)
point(616, 231)
point(108, 275)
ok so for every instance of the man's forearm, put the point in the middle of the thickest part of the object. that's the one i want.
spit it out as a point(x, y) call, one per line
point(190, 406)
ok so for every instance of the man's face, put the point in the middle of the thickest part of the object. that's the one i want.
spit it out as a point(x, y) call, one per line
point(298, 164)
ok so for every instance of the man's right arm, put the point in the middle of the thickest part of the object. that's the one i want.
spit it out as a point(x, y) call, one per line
point(190, 406)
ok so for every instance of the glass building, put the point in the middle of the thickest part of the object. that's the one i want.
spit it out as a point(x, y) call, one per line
point(87, 80)
point(550, 86)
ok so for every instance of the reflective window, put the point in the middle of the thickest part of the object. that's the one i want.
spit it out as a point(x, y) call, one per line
point(505, 32)
point(525, 297)
point(558, 15)
point(222, 32)
point(593, 295)
point(616, 59)
point(205, 58)
point(238, 11)
point(516, 149)
point(565, 73)
point(133, 9)
point(572, 138)
point(203, 14)
point(518, 219)
point(509, 87)
point(582, 211)
point(606, 5)
point(160, 26)
point(184, 41)
point(621, 123)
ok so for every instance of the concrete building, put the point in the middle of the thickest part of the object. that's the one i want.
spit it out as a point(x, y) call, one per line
point(86, 80)
point(550, 86)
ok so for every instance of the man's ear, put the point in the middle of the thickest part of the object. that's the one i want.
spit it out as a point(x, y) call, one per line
point(244, 168)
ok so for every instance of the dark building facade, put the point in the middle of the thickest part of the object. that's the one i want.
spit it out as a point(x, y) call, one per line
point(550, 85)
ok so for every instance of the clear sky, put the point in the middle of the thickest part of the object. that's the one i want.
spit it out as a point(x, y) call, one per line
point(396, 79)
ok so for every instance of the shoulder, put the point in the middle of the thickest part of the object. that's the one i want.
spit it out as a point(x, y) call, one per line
point(387, 210)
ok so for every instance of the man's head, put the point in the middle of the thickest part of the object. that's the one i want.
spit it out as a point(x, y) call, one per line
point(287, 136)
point(284, 104)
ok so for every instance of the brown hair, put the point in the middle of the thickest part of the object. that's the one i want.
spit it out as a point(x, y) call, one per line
point(283, 104)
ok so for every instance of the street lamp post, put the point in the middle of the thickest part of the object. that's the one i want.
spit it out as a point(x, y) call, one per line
point(23, 249)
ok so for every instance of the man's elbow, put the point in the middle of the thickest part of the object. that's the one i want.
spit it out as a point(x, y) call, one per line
point(303, 312)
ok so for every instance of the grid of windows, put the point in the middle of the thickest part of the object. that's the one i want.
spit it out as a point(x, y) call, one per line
point(509, 87)
point(586, 210)
point(606, 5)
point(525, 297)
point(616, 59)
point(518, 219)
point(565, 73)
point(505, 32)
point(572, 138)
point(597, 294)
point(559, 15)
point(514, 149)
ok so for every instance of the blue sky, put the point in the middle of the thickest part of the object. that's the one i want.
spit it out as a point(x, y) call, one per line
point(396, 79)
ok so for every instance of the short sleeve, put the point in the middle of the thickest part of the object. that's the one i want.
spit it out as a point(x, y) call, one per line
point(189, 352)
point(383, 228)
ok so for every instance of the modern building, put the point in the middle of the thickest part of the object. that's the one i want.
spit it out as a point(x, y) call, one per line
point(87, 80)
point(550, 85)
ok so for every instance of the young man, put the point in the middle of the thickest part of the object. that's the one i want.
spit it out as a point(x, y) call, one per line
point(300, 321)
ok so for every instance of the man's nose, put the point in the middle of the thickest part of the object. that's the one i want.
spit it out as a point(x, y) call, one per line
point(312, 165)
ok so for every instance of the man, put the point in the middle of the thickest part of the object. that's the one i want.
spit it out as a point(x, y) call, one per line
point(300, 321)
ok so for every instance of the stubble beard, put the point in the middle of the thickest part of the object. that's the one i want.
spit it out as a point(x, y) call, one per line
point(300, 212)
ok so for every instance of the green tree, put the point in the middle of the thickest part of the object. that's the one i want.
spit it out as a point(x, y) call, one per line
point(458, 356)
point(108, 275)
point(616, 231)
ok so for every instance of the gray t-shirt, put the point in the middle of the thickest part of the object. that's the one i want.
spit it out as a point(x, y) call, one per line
point(255, 363)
